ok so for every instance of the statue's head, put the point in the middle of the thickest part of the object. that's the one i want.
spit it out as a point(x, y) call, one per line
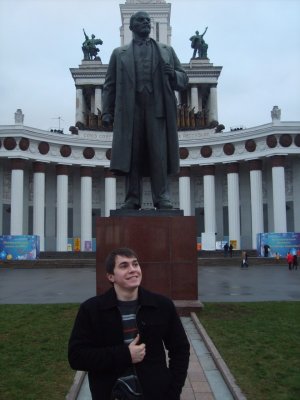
point(93, 36)
point(140, 23)
point(197, 32)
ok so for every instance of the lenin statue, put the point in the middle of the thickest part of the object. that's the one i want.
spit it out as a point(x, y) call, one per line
point(139, 100)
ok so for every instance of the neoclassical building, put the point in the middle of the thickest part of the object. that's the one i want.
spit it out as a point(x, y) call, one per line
point(237, 183)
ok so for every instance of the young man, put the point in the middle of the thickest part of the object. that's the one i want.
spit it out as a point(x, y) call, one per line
point(125, 331)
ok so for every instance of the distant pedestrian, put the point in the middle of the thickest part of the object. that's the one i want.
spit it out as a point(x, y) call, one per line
point(226, 248)
point(244, 262)
point(230, 250)
point(266, 250)
point(290, 259)
point(295, 261)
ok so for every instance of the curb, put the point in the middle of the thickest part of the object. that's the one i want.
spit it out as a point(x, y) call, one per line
point(76, 385)
point(220, 363)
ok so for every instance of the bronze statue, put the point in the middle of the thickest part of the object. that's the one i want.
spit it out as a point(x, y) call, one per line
point(199, 45)
point(90, 51)
point(138, 98)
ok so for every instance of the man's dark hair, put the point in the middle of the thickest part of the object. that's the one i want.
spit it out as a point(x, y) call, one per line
point(111, 258)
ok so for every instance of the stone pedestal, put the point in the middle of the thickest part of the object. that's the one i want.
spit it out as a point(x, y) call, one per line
point(166, 246)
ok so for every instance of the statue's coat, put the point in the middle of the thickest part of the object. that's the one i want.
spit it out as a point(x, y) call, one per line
point(118, 99)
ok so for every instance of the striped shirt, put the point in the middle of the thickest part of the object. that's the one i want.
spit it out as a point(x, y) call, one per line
point(128, 312)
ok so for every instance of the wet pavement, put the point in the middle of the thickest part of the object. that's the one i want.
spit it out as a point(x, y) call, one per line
point(256, 283)
point(216, 284)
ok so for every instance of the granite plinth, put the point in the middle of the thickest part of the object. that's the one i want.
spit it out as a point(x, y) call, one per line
point(145, 212)
point(167, 250)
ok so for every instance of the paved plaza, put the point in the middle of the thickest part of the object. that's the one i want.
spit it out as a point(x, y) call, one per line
point(216, 284)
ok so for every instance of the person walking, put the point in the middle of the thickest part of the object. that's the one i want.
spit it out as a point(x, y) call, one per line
point(290, 260)
point(295, 261)
point(244, 262)
point(226, 248)
point(123, 336)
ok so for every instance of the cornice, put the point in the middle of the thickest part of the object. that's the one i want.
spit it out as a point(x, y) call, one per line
point(193, 69)
point(203, 147)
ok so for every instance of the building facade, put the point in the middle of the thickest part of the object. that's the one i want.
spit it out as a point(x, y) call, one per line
point(236, 183)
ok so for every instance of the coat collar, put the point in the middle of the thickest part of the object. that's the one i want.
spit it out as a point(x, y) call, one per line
point(145, 298)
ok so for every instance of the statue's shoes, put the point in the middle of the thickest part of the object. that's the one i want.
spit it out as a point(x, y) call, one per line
point(164, 205)
point(129, 205)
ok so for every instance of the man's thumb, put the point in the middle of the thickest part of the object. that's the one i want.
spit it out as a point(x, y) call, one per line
point(136, 339)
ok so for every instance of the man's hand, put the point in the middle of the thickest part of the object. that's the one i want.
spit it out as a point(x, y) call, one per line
point(168, 70)
point(107, 120)
point(137, 351)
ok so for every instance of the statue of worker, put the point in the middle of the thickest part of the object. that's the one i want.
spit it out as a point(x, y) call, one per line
point(199, 45)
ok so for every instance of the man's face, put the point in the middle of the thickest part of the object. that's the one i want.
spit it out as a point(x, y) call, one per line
point(127, 273)
point(141, 25)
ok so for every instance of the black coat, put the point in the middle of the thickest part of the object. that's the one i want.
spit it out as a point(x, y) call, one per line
point(96, 345)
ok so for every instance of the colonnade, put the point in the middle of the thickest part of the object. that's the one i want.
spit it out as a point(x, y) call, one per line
point(256, 191)
point(96, 103)
point(208, 171)
point(194, 99)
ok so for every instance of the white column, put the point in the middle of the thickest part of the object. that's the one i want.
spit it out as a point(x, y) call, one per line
point(209, 199)
point(185, 190)
point(213, 104)
point(17, 188)
point(257, 216)
point(110, 192)
point(279, 202)
point(194, 98)
point(39, 202)
point(234, 204)
point(296, 193)
point(86, 206)
point(98, 102)
point(62, 208)
point(79, 117)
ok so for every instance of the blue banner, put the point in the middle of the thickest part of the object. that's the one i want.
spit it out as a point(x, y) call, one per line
point(19, 247)
point(280, 243)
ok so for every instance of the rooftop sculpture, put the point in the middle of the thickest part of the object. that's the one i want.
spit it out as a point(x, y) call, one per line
point(199, 45)
point(90, 51)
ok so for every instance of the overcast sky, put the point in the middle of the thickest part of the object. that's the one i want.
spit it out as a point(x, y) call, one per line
point(256, 41)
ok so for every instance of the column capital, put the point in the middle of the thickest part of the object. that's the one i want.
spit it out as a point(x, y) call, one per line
point(255, 165)
point(108, 173)
point(185, 171)
point(232, 168)
point(208, 169)
point(38, 166)
point(278, 161)
point(17, 163)
point(62, 169)
point(86, 171)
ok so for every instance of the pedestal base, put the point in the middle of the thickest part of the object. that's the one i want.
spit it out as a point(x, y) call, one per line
point(167, 250)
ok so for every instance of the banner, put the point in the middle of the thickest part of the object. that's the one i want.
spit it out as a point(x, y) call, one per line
point(280, 243)
point(19, 247)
